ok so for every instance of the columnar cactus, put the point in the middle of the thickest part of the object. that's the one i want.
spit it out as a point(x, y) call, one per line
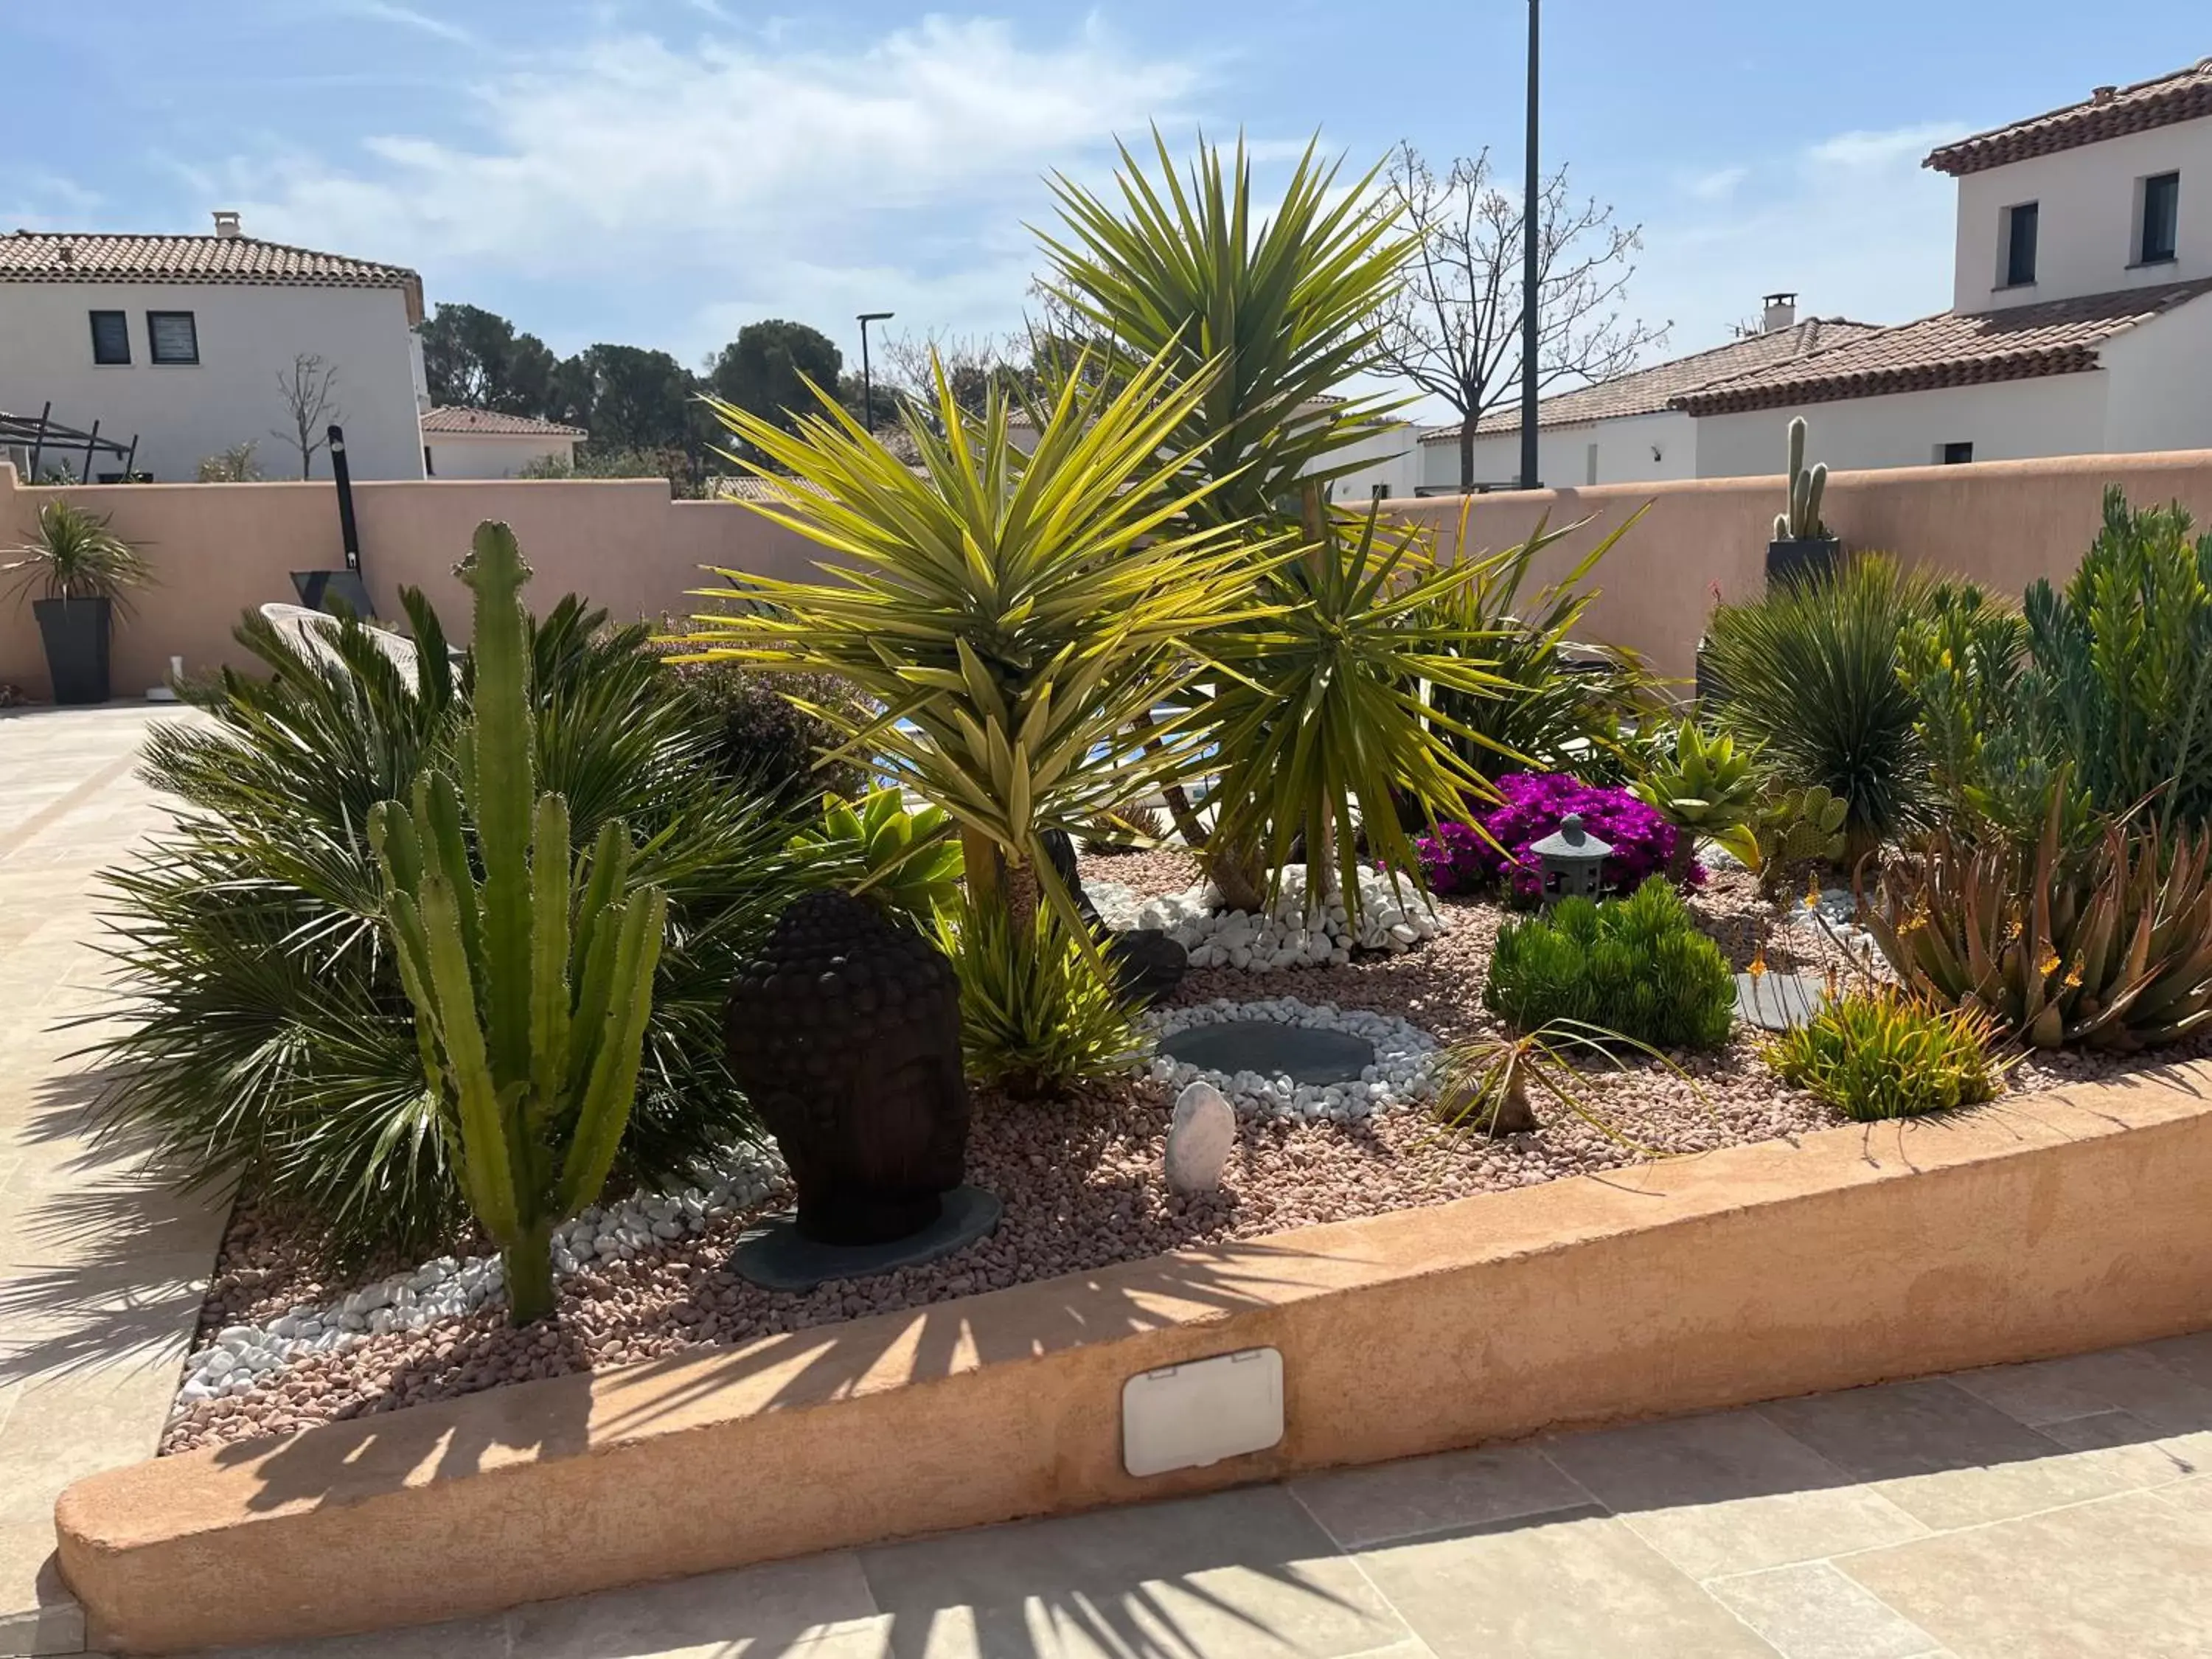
point(532, 988)
point(1803, 521)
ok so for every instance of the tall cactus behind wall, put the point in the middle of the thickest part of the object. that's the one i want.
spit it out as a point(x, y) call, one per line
point(532, 988)
point(1803, 521)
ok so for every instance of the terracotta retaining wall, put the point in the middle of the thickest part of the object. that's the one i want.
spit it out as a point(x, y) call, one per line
point(220, 548)
point(2052, 1225)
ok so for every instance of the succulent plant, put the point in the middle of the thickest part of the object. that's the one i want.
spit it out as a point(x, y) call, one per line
point(1797, 828)
point(531, 986)
point(1882, 1053)
point(2106, 949)
point(1703, 785)
point(1807, 484)
point(906, 863)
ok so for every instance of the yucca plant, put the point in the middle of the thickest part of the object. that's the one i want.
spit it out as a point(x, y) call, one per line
point(1013, 613)
point(1320, 708)
point(531, 984)
point(1038, 1015)
point(2110, 949)
point(1484, 1086)
point(1705, 785)
point(76, 556)
point(266, 1035)
point(1271, 314)
point(906, 863)
point(1808, 673)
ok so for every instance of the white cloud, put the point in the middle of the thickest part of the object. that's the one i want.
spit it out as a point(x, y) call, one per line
point(1853, 224)
point(796, 176)
point(387, 11)
point(1717, 185)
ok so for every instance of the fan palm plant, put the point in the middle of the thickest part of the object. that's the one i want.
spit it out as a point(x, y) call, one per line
point(269, 1033)
point(1013, 615)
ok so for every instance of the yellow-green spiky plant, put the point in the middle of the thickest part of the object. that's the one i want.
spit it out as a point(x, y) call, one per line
point(533, 985)
point(1015, 613)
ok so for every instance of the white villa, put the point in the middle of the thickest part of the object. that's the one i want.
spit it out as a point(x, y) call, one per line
point(184, 342)
point(483, 443)
point(2079, 324)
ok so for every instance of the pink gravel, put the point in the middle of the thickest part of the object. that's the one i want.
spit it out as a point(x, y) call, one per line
point(1082, 1185)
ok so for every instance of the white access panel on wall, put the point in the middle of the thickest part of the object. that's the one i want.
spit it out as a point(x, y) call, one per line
point(1185, 1417)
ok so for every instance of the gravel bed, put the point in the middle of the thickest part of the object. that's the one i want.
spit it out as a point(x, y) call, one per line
point(1082, 1181)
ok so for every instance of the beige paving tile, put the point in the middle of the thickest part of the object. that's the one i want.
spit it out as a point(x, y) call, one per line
point(1417, 1495)
point(38, 1615)
point(1729, 1492)
point(1950, 1460)
point(2191, 1356)
point(2124, 1577)
point(1554, 1588)
point(2121, 1379)
point(1811, 1611)
point(59, 1434)
point(1244, 1572)
point(2194, 1493)
point(470, 1638)
point(785, 1606)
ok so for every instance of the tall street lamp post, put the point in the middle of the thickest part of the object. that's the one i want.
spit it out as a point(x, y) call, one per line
point(867, 379)
point(1529, 231)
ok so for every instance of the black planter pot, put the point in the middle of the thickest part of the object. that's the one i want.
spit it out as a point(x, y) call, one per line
point(76, 632)
point(1802, 558)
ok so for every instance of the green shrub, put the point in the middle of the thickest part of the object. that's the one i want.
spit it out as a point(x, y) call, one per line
point(1037, 1018)
point(908, 863)
point(270, 1036)
point(2115, 684)
point(1876, 1054)
point(1809, 672)
point(1636, 966)
point(770, 738)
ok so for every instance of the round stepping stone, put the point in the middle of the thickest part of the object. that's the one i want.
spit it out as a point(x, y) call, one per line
point(1302, 1053)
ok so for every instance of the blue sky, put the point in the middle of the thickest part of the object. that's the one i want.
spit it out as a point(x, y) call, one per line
point(660, 172)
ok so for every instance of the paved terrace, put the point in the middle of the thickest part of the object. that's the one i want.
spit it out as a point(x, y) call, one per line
point(2059, 1510)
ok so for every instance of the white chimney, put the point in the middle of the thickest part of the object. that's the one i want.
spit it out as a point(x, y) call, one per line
point(225, 223)
point(1781, 311)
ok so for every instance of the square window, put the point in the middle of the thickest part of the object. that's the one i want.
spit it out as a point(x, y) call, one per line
point(2019, 228)
point(171, 336)
point(2161, 219)
point(110, 337)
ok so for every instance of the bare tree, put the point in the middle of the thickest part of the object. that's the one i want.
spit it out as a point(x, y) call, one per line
point(1454, 330)
point(310, 394)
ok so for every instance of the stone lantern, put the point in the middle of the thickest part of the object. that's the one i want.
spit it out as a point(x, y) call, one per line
point(1573, 861)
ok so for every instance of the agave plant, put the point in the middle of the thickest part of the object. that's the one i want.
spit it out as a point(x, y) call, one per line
point(1703, 785)
point(1809, 673)
point(269, 1033)
point(1013, 613)
point(1037, 1016)
point(1270, 315)
point(2112, 949)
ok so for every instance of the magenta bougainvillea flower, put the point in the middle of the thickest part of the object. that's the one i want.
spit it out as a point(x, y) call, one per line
point(1458, 859)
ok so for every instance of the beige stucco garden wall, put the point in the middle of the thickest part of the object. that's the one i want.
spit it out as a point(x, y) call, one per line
point(2054, 1224)
point(221, 548)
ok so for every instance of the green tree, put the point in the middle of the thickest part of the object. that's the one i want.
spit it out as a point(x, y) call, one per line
point(476, 359)
point(765, 369)
point(627, 398)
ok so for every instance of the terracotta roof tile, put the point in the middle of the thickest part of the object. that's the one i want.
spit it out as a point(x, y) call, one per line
point(38, 256)
point(448, 420)
point(2109, 112)
point(2056, 337)
point(1648, 390)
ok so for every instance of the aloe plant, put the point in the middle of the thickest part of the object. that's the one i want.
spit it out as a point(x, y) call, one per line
point(531, 986)
point(2112, 949)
